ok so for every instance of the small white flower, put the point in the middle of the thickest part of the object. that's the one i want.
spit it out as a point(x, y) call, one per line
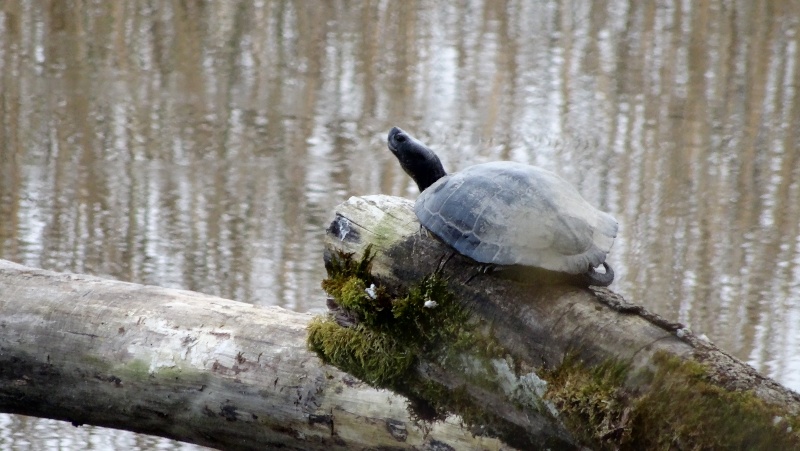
point(371, 291)
point(431, 304)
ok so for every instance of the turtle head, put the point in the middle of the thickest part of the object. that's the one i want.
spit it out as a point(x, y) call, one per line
point(416, 158)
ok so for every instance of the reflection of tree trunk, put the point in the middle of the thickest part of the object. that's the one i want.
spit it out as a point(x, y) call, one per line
point(10, 148)
point(187, 366)
point(671, 376)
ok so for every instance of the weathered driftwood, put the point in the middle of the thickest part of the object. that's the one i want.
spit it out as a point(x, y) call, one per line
point(540, 324)
point(187, 366)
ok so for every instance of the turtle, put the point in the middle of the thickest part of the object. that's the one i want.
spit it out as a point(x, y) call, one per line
point(508, 214)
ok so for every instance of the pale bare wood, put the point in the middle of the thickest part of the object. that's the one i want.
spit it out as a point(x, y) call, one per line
point(188, 366)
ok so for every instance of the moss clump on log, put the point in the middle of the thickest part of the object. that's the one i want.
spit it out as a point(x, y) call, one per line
point(680, 409)
point(380, 337)
point(385, 338)
point(591, 399)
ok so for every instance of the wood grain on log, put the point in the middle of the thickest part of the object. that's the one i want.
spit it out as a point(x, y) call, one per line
point(187, 366)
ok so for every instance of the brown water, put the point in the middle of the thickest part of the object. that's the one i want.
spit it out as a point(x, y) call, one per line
point(204, 145)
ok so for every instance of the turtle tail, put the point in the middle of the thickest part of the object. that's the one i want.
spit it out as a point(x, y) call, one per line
point(593, 277)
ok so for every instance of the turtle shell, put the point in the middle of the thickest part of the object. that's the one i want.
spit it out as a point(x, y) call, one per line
point(506, 213)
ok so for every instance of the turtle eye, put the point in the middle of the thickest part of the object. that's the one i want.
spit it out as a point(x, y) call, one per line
point(400, 138)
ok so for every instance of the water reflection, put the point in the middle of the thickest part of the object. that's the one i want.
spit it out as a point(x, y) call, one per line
point(203, 145)
point(20, 433)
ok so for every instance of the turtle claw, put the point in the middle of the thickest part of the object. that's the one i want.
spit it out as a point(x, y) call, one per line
point(424, 231)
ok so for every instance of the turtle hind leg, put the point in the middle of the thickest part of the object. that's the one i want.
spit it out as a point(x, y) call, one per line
point(600, 279)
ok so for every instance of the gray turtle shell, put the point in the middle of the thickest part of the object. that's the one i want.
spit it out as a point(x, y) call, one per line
point(507, 213)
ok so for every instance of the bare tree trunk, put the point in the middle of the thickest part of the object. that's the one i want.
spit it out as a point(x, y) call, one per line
point(665, 386)
point(187, 366)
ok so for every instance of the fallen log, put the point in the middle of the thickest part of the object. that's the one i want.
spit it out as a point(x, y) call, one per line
point(575, 365)
point(190, 367)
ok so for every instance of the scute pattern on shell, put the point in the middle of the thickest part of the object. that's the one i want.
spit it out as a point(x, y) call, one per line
point(507, 213)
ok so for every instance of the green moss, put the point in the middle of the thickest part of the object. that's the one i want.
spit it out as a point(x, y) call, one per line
point(174, 373)
point(681, 409)
point(685, 410)
point(386, 230)
point(372, 357)
point(391, 333)
point(94, 361)
point(136, 370)
point(139, 372)
point(341, 267)
point(590, 399)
